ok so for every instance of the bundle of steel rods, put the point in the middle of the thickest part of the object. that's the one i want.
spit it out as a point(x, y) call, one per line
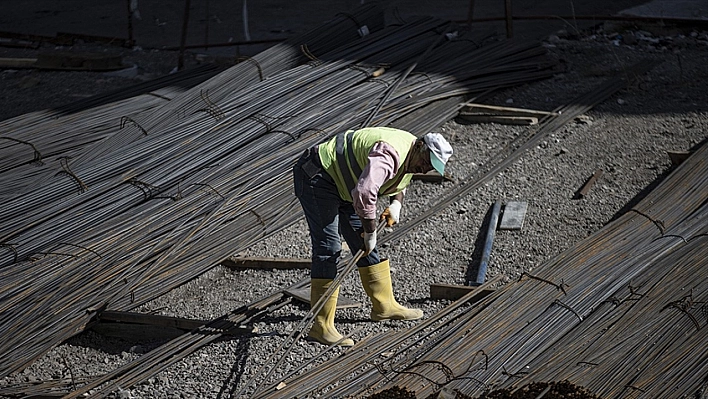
point(178, 189)
point(436, 323)
point(624, 314)
point(32, 145)
point(26, 143)
point(618, 306)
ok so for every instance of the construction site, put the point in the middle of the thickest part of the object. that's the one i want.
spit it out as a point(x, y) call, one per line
point(152, 244)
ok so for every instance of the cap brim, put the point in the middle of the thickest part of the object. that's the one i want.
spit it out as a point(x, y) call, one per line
point(437, 164)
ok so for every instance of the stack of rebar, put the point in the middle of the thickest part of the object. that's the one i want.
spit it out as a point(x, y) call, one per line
point(622, 313)
point(172, 191)
point(66, 132)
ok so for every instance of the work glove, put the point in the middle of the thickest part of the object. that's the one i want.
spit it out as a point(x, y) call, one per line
point(392, 214)
point(369, 241)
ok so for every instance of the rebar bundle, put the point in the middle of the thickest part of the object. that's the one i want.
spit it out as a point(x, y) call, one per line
point(623, 308)
point(174, 189)
point(66, 132)
point(622, 313)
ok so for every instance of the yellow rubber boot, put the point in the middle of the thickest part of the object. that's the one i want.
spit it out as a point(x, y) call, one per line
point(323, 330)
point(377, 284)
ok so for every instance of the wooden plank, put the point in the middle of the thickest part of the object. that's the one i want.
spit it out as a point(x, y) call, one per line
point(303, 295)
point(16, 63)
point(130, 324)
point(589, 183)
point(513, 215)
point(677, 157)
point(484, 109)
point(150, 319)
point(78, 61)
point(455, 292)
point(23, 37)
point(143, 332)
point(501, 119)
point(267, 263)
point(70, 38)
point(431, 177)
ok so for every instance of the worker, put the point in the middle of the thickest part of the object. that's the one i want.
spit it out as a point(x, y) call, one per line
point(338, 184)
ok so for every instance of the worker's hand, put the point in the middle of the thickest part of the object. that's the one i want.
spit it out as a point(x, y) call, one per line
point(369, 241)
point(392, 214)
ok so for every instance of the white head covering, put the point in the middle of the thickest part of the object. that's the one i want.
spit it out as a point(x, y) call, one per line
point(440, 151)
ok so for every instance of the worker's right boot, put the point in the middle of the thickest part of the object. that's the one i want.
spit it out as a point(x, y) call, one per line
point(377, 283)
point(323, 330)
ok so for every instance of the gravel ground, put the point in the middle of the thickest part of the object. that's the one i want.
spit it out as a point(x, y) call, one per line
point(627, 136)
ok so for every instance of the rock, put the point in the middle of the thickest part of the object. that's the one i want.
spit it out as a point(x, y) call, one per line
point(123, 394)
point(584, 120)
point(629, 39)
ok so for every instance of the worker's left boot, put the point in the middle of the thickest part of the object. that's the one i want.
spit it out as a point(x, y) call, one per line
point(378, 286)
point(323, 330)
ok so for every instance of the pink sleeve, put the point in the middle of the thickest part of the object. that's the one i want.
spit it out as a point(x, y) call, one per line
point(382, 167)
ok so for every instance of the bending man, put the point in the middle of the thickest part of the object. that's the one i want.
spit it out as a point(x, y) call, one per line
point(338, 184)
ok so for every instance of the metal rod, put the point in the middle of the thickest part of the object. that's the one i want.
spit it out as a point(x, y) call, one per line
point(509, 19)
point(183, 39)
point(488, 242)
point(470, 14)
point(130, 23)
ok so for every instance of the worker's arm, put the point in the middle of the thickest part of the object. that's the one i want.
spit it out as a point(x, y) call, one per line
point(383, 164)
point(392, 214)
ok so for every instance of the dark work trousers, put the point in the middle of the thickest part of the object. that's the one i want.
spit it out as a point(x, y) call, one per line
point(328, 216)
